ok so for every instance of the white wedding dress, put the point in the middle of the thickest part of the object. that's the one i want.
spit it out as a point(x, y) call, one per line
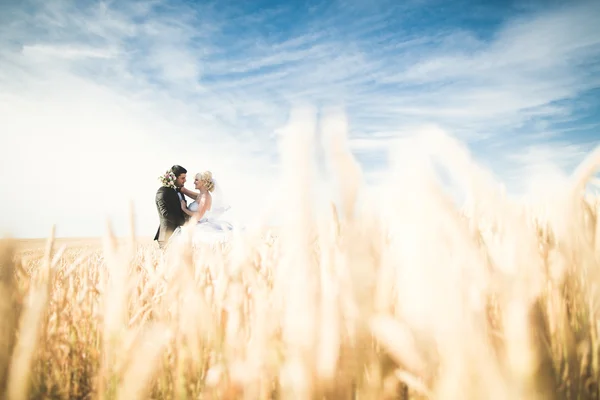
point(210, 229)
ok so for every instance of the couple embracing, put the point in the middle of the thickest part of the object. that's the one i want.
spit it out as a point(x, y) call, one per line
point(204, 210)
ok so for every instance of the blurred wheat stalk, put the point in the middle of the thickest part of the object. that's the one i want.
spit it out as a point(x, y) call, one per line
point(495, 301)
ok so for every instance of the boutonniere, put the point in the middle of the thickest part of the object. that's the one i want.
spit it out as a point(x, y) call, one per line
point(168, 179)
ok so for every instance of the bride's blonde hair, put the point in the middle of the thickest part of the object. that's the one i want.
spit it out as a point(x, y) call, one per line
point(207, 179)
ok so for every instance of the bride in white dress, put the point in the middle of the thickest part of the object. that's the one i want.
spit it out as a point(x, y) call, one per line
point(209, 228)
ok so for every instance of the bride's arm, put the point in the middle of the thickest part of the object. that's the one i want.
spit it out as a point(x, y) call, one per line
point(203, 204)
point(185, 209)
point(189, 193)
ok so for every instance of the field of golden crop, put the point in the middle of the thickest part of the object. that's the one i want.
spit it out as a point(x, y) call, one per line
point(497, 300)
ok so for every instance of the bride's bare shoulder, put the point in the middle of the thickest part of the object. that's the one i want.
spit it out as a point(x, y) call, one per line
point(205, 196)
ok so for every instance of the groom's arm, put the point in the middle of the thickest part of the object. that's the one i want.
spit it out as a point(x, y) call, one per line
point(191, 194)
point(171, 215)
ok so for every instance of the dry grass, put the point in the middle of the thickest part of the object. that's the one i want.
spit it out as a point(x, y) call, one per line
point(497, 301)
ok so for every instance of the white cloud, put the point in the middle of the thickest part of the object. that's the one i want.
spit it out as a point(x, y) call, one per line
point(69, 52)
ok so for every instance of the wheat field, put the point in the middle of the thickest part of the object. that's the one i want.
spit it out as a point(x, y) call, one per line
point(496, 299)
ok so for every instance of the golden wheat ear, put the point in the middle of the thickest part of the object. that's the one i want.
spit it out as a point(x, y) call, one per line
point(584, 172)
point(346, 169)
point(32, 328)
point(9, 308)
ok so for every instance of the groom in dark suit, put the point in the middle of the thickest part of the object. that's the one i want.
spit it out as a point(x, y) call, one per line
point(168, 205)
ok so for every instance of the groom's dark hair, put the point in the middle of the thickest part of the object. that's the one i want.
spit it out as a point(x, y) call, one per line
point(178, 170)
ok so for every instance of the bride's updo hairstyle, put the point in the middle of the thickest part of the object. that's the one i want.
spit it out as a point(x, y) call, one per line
point(206, 178)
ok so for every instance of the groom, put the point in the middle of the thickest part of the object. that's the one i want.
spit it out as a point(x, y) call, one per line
point(168, 205)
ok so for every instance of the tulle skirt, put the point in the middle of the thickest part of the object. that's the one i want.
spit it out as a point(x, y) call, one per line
point(206, 231)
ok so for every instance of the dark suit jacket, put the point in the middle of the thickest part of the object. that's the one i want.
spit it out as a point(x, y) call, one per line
point(170, 213)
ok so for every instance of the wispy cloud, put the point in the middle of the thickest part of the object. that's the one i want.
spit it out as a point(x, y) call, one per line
point(97, 99)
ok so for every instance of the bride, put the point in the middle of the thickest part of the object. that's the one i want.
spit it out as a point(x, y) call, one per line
point(209, 228)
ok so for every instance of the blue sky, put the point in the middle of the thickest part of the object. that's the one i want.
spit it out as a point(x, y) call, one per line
point(98, 98)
